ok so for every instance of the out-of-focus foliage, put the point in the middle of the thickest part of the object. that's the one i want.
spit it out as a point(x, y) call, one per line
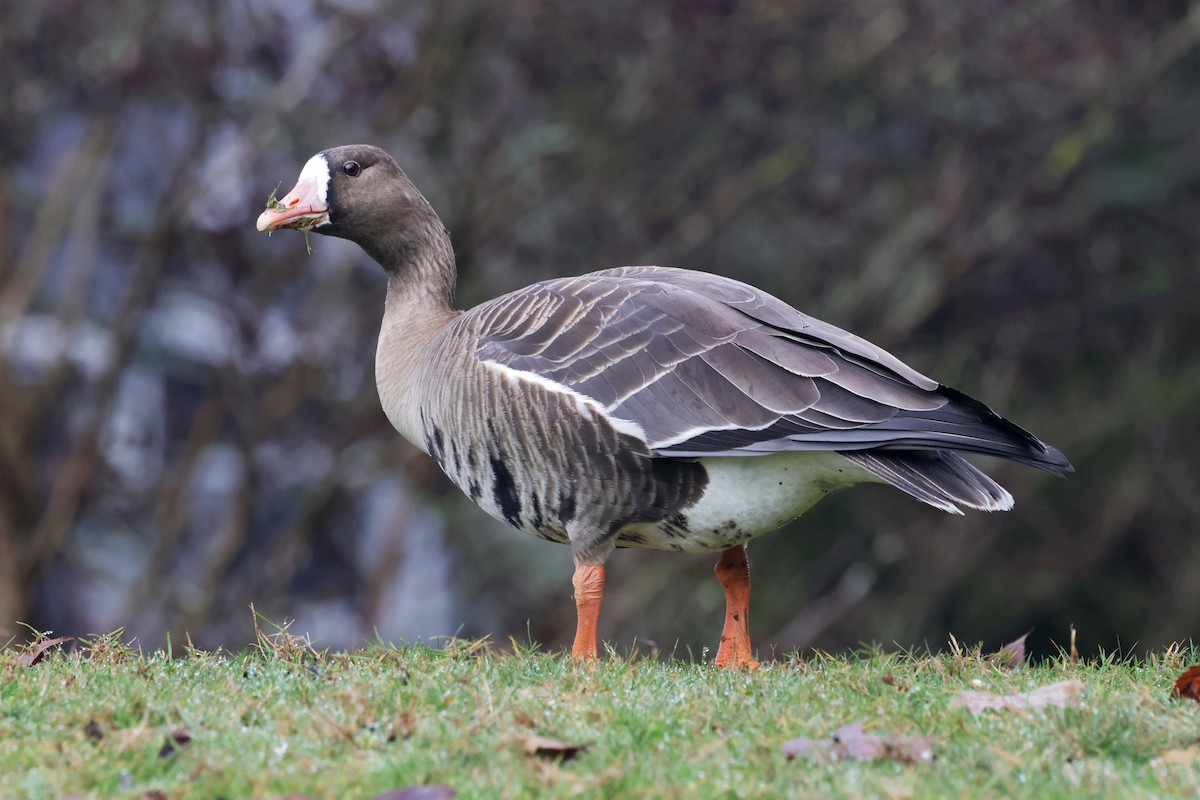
point(1005, 194)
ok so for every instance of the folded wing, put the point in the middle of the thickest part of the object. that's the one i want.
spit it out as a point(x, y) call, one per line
point(708, 366)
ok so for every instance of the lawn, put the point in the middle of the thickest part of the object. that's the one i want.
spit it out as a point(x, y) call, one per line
point(105, 720)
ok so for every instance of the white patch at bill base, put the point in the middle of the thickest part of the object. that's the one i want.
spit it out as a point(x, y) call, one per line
point(316, 171)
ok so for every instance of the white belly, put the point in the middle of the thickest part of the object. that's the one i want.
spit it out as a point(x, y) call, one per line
point(747, 496)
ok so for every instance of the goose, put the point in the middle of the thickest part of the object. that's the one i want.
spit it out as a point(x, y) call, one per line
point(641, 406)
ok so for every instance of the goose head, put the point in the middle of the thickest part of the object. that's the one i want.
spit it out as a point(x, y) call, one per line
point(358, 192)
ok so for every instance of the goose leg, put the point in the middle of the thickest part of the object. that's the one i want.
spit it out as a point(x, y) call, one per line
point(589, 590)
point(733, 571)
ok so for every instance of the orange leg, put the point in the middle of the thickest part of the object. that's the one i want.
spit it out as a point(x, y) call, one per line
point(589, 590)
point(733, 571)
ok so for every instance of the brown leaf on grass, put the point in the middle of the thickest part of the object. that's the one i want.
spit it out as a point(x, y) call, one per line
point(851, 741)
point(176, 741)
point(435, 791)
point(1012, 655)
point(1188, 684)
point(39, 649)
point(93, 730)
point(1190, 755)
point(1064, 694)
point(890, 680)
point(545, 747)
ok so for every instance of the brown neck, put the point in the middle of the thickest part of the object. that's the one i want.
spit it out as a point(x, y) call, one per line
point(420, 307)
point(420, 295)
point(416, 254)
point(419, 260)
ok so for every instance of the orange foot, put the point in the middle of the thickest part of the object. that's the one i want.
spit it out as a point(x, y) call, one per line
point(733, 571)
point(589, 591)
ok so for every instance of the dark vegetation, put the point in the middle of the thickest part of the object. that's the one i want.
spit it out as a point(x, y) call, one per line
point(1005, 194)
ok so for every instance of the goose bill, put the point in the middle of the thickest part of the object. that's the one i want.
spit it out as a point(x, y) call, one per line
point(299, 208)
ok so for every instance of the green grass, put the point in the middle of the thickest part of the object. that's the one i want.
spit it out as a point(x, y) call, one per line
point(282, 718)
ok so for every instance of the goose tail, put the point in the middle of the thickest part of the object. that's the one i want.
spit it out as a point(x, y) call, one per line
point(937, 477)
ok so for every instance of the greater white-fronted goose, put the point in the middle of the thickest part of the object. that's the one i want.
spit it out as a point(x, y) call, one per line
point(640, 406)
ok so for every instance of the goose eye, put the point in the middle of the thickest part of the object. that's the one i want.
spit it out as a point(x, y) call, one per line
point(352, 168)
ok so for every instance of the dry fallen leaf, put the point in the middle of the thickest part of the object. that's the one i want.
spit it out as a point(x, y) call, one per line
point(1188, 684)
point(890, 680)
point(39, 650)
point(851, 741)
point(546, 747)
point(1064, 694)
point(1189, 755)
point(1012, 655)
point(435, 791)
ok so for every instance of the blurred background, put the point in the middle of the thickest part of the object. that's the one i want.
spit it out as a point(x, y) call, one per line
point(1004, 193)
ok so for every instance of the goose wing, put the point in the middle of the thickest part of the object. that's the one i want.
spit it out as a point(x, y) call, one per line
point(704, 365)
